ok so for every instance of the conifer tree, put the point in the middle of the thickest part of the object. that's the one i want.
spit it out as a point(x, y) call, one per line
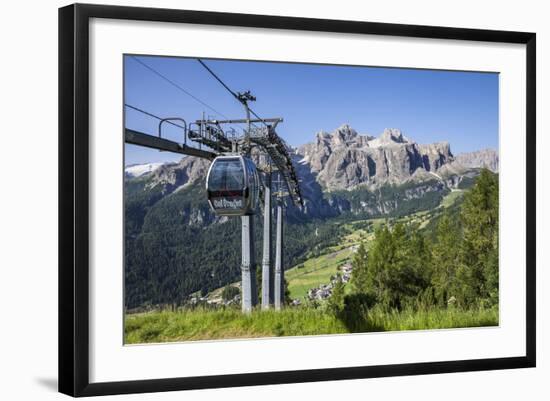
point(336, 300)
point(446, 258)
point(359, 278)
point(478, 272)
point(381, 266)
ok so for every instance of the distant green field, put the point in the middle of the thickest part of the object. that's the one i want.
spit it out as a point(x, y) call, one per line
point(451, 197)
point(317, 271)
point(314, 272)
point(226, 323)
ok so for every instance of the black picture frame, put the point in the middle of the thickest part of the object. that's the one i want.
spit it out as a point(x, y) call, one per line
point(74, 198)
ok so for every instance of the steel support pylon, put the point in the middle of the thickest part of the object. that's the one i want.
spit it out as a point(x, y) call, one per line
point(267, 279)
point(279, 289)
point(248, 265)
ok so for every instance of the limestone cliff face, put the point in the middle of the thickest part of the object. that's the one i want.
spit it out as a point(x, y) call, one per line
point(174, 176)
point(339, 172)
point(344, 159)
point(487, 158)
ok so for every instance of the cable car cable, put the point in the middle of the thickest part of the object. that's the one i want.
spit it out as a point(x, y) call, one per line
point(234, 94)
point(218, 79)
point(179, 87)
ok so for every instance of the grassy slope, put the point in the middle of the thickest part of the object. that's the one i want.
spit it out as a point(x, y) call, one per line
point(314, 272)
point(317, 271)
point(202, 324)
point(452, 197)
point(228, 323)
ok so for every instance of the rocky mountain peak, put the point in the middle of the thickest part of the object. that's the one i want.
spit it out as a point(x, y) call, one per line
point(340, 136)
point(389, 137)
point(487, 158)
point(345, 159)
point(173, 176)
point(344, 134)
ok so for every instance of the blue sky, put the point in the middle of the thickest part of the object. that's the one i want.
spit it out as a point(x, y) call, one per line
point(427, 105)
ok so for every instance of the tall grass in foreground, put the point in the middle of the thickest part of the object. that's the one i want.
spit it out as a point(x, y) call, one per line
point(227, 323)
point(432, 319)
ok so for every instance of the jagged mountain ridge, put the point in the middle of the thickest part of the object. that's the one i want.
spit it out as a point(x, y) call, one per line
point(344, 159)
point(487, 158)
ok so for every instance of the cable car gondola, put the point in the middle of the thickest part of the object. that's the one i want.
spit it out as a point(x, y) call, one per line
point(233, 185)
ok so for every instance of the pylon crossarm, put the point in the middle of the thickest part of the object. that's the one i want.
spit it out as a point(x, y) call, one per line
point(276, 148)
point(154, 142)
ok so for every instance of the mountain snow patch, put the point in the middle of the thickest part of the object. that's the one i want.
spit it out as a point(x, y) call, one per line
point(138, 170)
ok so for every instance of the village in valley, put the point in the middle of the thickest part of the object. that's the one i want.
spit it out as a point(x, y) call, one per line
point(323, 291)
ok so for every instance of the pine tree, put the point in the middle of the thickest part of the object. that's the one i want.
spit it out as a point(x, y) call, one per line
point(446, 258)
point(381, 266)
point(398, 269)
point(336, 300)
point(419, 268)
point(478, 272)
point(359, 278)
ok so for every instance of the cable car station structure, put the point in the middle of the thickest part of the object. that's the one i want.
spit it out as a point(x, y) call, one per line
point(234, 183)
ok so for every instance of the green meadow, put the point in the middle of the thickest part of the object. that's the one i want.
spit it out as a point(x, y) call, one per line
point(230, 323)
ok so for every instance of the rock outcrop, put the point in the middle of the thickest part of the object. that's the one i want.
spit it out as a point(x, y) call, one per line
point(174, 176)
point(345, 159)
point(343, 172)
point(487, 158)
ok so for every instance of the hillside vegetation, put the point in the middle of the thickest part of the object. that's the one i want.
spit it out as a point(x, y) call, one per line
point(227, 323)
point(429, 270)
point(457, 265)
point(174, 245)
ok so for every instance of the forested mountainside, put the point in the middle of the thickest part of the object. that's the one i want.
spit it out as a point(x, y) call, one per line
point(175, 245)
